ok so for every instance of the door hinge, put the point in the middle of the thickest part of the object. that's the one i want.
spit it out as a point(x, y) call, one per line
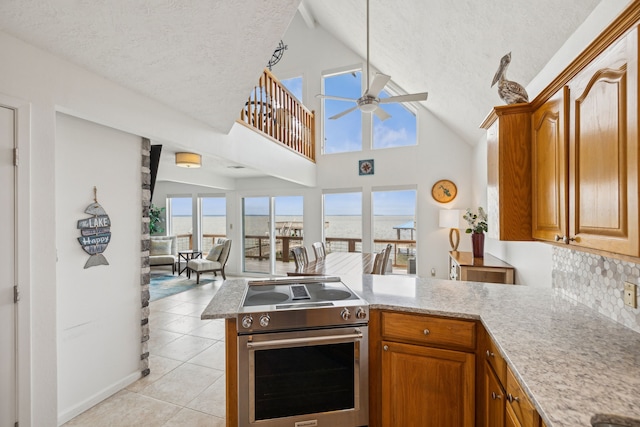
point(16, 294)
point(16, 157)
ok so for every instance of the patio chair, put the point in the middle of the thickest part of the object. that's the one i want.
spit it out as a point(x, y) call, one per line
point(299, 254)
point(319, 250)
point(215, 261)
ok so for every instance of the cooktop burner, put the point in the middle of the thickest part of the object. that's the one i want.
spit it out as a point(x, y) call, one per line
point(300, 302)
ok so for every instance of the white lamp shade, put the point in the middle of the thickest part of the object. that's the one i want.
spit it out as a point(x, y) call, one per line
point(450, 218)
point(188, 160)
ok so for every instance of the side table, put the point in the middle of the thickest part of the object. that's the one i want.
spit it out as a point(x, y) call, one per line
point(463, 266)
point(186, 256)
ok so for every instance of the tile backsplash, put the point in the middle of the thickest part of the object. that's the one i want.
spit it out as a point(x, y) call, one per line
point(598, 282)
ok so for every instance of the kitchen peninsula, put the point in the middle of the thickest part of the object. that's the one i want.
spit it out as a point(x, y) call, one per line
point(571, 362)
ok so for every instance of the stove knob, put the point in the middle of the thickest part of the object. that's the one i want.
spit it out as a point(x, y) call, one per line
point(346, 314)
point(247, 321)
point(264, 320)
point(361, 313)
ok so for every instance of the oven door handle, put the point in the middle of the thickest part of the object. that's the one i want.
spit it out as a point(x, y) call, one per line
point(329, 338)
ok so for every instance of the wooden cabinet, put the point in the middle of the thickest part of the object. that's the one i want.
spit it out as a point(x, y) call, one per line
point(603, 144)
point(504, 403)
point(426, 370)
point(549, 160)
point(509, 172)
point(426, 387)
point(463, 266)
point(585, 156)
point(494, 396)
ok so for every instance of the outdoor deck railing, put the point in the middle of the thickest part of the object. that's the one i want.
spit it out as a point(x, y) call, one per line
point(257, 247)
point(274, 111)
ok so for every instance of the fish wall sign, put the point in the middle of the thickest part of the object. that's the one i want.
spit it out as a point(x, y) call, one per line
point(95, 233)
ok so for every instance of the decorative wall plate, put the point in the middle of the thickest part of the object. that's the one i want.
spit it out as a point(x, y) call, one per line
point(444, 191)
point(365, 167)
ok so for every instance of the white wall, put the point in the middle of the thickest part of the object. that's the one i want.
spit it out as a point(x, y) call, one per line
point(439, 154)
point(532, 260)
point(98, 322)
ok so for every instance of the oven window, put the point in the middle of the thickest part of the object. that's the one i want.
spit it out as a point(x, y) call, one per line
point(304, 380)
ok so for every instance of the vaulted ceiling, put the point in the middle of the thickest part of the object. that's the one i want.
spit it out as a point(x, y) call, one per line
point(202, 57)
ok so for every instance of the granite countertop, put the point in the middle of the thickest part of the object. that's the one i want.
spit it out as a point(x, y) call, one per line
point(571, 361)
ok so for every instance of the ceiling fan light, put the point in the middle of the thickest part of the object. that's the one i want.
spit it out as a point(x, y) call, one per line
point(368, 108)
point(188, 160)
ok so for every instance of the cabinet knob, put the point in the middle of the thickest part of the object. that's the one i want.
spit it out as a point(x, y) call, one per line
point(426, 332)
point(511, 398)
point(385, 348)
point(571, 239)
point(489, 354)
point(564, 239)
point(495, 395)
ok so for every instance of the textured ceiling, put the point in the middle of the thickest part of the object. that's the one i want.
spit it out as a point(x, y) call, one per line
point(452, 48)
point(203, 57)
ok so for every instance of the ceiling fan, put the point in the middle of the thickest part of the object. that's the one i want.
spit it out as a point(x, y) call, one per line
point(370, 100)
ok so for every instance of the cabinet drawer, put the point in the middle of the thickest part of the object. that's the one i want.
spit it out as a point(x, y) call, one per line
point(520, 404)
point(493, 357)
point(429, 330)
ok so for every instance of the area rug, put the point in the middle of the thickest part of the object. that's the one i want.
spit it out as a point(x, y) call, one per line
point(163, 285)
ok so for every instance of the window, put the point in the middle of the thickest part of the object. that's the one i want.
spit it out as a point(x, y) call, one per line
point(181, 221)
point(214, 220)
point(397, 131)
point(343, 222)
point(343, 134)
point(394, 214)
point(294, 85)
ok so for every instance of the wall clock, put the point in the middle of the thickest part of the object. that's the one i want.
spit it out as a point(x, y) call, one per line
point(444, 191)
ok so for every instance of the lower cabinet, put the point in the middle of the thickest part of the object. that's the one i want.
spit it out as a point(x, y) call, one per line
point(432, 371)
point(422, 370)
point(427, 387)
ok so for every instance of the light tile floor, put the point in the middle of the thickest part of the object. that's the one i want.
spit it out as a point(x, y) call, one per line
point(186, 384)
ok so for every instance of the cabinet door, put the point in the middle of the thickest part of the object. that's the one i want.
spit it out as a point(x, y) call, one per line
point(549, 169)
point(494, 399)
point(603, 167)
point(510, 418)
point(427, 387)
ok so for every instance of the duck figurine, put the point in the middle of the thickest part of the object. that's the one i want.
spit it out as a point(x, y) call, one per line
point(510, 92)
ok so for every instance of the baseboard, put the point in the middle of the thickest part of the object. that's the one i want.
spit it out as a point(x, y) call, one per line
point(76, 410)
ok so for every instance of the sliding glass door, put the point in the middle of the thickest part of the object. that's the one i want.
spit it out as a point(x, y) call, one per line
point(271, 226)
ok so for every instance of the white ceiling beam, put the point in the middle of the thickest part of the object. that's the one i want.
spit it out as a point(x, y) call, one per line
point(306, 14)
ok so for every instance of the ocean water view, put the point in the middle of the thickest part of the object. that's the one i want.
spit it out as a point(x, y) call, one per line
point(336, 226)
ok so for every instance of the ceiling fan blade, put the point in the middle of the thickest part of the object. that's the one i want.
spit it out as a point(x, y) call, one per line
point(381, 114)
point(378, 83)
point(344, 113)
point(336, 98)
point(405, 98)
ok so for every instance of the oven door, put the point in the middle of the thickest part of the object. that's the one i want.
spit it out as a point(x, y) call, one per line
point(304, 378)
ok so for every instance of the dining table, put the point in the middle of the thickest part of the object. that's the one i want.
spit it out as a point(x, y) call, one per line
point(338, 264)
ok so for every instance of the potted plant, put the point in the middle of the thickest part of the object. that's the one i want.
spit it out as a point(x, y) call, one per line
point(155, 220)
point(477, 225)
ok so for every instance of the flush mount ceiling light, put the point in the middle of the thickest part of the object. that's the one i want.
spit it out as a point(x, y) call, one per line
point(188, 160)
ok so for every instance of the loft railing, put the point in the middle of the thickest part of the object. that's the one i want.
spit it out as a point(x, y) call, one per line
point(274, 111)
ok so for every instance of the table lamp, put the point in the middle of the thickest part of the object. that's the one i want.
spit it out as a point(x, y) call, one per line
point(450, 218)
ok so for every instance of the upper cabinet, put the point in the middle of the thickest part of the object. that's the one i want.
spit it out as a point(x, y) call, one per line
point(580, 137)
point(603, 151)
point(509, 172)
point(584, 156)
point(549, 168)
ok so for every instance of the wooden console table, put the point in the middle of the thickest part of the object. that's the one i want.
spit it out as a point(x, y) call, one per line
point(463, 266)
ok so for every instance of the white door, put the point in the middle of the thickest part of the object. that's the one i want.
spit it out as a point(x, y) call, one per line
point(8, 400)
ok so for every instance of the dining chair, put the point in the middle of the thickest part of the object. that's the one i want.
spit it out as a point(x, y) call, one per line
point(299, 254)
point(319, 250)
point(385, 259)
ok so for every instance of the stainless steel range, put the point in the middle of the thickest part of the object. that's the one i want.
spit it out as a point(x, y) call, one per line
point(303, 354)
